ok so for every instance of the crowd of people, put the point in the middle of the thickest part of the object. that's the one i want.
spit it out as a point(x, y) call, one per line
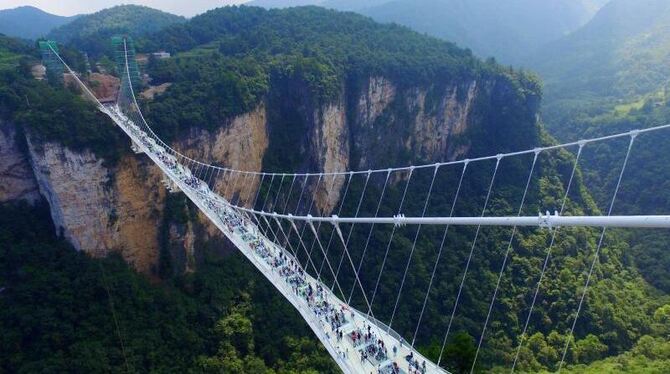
point(414, 366)
point(338, 318)
point(370, 346)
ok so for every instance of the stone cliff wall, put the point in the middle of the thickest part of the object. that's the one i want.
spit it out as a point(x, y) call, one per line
point(394, 127)
point(17, 181)
point(101, 208)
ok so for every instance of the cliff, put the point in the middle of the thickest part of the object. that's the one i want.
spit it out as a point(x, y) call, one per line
point(17, 179)
point(121, 207)
point(101, 208)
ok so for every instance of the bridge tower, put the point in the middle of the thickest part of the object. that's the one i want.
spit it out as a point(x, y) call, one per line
point(120, 58)
point(53, 65)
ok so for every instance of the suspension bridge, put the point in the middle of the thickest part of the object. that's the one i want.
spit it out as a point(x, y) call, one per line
point(280, 223)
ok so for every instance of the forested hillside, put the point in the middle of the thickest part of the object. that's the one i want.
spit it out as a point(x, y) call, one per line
point(614, 62)
point(62, 311)
point(506, 30)
point(91, 32)
point(239, 56)
point(29, 22)
point(612, 76)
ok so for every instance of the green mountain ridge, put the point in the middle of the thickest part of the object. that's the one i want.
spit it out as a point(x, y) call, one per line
point(621, 55)
point(506, 30)
point(28, 22)
point(91, 32)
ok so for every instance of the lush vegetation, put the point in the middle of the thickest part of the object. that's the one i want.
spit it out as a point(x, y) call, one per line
point(611, 78)
point(55, 113)
point(650, 355)
point(12, 52)
point(62, 311)
point(91, 33)
point(644, 188)
point(619, 57)
point(297, 60)
point(606, 78)
point(620, 304)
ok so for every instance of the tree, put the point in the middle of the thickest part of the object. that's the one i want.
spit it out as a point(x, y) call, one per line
point(237, 330)
point(589, 349)
point(460, 352)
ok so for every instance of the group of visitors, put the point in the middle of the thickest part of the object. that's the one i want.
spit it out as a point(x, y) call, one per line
point(414, 366)
point(371, 348)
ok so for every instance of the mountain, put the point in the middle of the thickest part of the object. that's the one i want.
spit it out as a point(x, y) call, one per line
point(344, 5)
point(29, 22)
point(507, 30)
point(92, 32)
point(611, 76)
point(283, 3)
point(619, 56)
point(308, 47)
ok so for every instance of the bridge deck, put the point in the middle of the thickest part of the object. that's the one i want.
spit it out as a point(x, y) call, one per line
point(322, 310)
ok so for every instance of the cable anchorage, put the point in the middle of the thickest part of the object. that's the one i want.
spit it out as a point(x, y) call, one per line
point(399, 220)
point(545, 221)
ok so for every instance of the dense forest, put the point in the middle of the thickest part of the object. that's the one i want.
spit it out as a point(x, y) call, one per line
point(91, 33)
point(64, 311)
point(235, 57)
point(50, 111)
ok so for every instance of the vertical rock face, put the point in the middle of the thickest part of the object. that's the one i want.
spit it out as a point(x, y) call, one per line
point(137, 208)
point(74, 186)
point(101, 208)
point(16, 177)
point(374, 99)
point(417, 123)
point(97, 209)
point(382, 126)
point(330, 145)
point(433, 129)
point(239, 144)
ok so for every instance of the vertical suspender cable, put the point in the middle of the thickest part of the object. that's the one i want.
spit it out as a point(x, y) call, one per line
point(504, 263)
point(339, 211)
point(467, 264)
point(439, 253)
point(546, 259)
point(367, 241)
point(268, 194)
point(390, 241)
point(597, 254)
point(351, 229)
point(318, 226)
point(411, 252)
